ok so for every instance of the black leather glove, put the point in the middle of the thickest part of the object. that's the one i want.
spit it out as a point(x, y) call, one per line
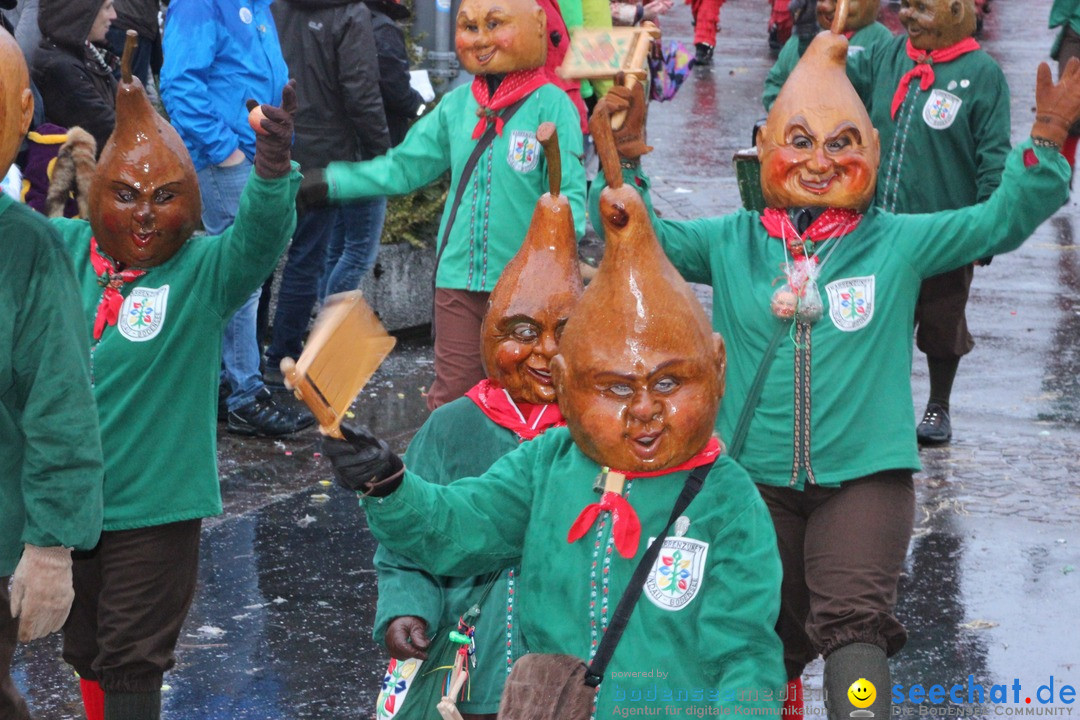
point(314, 191)
point(406, 637)
point(363, 462)
point(273, 147)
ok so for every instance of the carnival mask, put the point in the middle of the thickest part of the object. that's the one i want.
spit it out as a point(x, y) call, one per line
point(496, 37)
point(16, 100)
point(936, 24)
point(818, 147)
point(144, 198)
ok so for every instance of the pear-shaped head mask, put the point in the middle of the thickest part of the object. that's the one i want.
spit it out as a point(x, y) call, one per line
point(144, 199)
point(16, 100)
point(818, 147)
point(495, 37)
point(937, 24)
point(535, 295)
point(639, 374)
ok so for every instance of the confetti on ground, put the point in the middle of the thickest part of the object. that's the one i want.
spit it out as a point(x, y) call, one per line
point(350, 414)
point(288, 453)
point(320, 497)
point(210, 631)
point(1067, 569)
point(979, 625)
point(279, 600)
point(401, 396)
point(316, 454)
point(305, 521)
point(165, 687)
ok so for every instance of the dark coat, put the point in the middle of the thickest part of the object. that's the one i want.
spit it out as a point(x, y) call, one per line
point(75, 88)
point(330, 50)
point(399, 99)
point(138, 15)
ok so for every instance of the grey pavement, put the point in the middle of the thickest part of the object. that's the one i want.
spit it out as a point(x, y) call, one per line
point(281, 624)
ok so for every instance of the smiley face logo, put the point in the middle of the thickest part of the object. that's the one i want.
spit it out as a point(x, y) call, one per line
point(862, 693)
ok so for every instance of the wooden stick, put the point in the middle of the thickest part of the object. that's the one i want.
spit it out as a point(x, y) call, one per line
point(604, 139)
point(306, 392)
point(548, 136)
point(840, 18)
point(131, 40)
point(634, 63)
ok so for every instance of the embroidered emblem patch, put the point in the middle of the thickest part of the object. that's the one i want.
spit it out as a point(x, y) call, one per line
point(941, 109)
point(851, 302)
point(143, 313)
point(395, 686)
point(524, 151)
point(678, 572)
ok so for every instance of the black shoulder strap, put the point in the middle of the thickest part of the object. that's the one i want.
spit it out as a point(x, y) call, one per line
point(742, 426)
point(595, 672)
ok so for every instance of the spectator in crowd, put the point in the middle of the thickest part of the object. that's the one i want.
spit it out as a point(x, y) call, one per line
point(73, 67)
point(219, 54)
point(142, 17)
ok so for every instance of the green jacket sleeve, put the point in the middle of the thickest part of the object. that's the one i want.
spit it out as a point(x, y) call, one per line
point(476, 525)
point(62, 464)
point(991, 131)
point(1028, 195)
point(738, 637)
point(247, 252)
point(785, 63)
point(421, 157)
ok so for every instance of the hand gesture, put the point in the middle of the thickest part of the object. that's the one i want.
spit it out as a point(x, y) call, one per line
point(630, 136)
point(274, 134)
point(1057, 107)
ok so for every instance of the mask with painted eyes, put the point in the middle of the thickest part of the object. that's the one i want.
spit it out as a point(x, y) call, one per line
point(144, 198)
point(531, 304)
point(936, 24)
point(639, 374)
point(860, 13)
point(16, 100)
point(496, 37)
point(818, 147)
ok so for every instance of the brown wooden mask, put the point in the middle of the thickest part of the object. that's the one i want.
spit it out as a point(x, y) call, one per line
point(535, 295)
point(860, 13)
point(639, 374)
point(16, 100)
point(818, 147)
point(936, 24)
point(144, 199)
point(495, 37)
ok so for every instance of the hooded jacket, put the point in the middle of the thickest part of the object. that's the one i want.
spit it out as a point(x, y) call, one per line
point(76, 88)
point(329, 47)
point(400, 101)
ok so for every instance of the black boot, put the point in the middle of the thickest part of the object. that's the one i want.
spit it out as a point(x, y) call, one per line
point(133, 706)
point(704, 55)
point(858, 683)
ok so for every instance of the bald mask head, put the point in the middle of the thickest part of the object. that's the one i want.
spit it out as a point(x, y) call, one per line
point(16, 100)
point(495, 37)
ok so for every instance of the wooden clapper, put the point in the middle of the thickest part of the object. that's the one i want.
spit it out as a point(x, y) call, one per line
point(344, 349)
point(603, 54)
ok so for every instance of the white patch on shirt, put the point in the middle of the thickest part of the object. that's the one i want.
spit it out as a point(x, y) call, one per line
point(941, 109)
point(524, 152)
point(851, 302)
point(951, 85)
point(316, 26)
point(143, 313)
point(245, 15)
point(965, 83)
point(678, 573)
point(854, 50)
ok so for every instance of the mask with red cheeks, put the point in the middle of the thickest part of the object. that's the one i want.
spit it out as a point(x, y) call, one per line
point(531, 303)
point(936, 24)
point(144, 198)
point(818, 147)
point(639, 372)
point(860, 13)
point(495, 37)
point(16, 100)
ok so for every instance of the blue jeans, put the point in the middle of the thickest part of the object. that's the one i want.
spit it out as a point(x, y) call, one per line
point(353, 245)
point(220, 189)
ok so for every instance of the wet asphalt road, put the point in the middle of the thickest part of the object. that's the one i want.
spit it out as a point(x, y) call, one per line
point(281, 624)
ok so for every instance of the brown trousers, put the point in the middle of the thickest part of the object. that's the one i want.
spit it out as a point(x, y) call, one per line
point(458, 361)
point(842, 550)
point(132, 594)
point(940, 314)
point(12, 706)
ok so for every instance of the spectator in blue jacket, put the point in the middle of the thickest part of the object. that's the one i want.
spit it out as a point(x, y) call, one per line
point(218, 54)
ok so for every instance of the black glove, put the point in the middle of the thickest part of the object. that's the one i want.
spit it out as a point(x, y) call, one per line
point(273, 149)
point(406, 637)
point(363, 462)
point(314, 191)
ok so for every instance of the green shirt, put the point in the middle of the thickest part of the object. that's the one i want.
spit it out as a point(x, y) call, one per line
point(155, 372)
point(946, 147)
point(501, 193)
point(703, 637)
point(863, 39)
point(861, 412)
point(438, 454)
point(50, 466)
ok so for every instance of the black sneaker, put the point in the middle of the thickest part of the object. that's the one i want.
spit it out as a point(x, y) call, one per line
point(935, 428)
point(268, 416)
point(703, 57)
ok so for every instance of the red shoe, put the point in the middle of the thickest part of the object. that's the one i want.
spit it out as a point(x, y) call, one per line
point(793, 705)
point(93, 698)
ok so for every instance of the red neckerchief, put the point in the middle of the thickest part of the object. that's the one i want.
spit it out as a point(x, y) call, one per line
point(513, 87)
point(833, 222)
point(924, 67)
point(523, 419)
point(625, 525)
point(108, 309)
